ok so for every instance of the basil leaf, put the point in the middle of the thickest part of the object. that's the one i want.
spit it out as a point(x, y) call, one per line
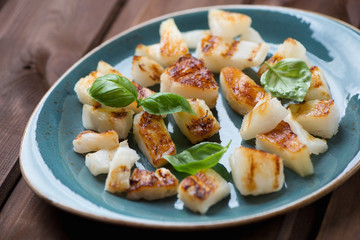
point(201, 156)
point(289, 78)
point(165, 103)
point(113, 90)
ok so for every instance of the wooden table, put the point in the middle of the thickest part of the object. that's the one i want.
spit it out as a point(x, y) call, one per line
point(40, 39)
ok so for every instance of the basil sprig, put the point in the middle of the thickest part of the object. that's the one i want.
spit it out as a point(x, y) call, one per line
point(289, 78)
point(201, 156)
point(117, 91)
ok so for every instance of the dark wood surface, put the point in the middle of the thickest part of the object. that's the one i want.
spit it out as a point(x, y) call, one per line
point(40, 39)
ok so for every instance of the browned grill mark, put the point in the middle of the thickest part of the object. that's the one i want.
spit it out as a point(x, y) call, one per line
point(142, 178)
point(231, 49)
point(284, 137)
point(201, 185)
point(209, 43)
point(244, 89)
point(250, 181)
point(191, 71)
point(201, 126)
point(155, 136)
point(254, 52)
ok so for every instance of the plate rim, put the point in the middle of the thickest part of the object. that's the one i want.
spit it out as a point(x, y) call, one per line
point(202, 225)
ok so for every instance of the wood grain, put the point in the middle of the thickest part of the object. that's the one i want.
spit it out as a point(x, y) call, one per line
point(342, 218)
point(346, 10)
point(138, 11)
point(39, 40)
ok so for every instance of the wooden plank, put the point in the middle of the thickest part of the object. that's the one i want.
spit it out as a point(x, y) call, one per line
point(347, 11)
point(304, 223)
point(39, 40)
point(27, 215)
point(24, 213)
point(138, 11)
point(342, 218)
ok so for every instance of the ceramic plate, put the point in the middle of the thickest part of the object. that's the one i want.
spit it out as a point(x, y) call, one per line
point(55, 172)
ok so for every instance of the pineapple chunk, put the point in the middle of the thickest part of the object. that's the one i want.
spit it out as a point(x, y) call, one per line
point(146, 71)
point(200, 126)
point(83, 85)
point(315, 145)
point(319, 88)
point(193, 37)
point(228, 24)
point(90, 141)
point(102, 119)
point(190, 78)
point(118, 179)
point(152, 185)
point(143, 92)
point(265, 116)
point(153, 138)
point(240, 91)
point(285, 143)
point(171, 46)
point(99, 162)
point(202, 190)
point(290, 48)
point(318, 117)
point(104, 68)
point(256, 172)
point(251, 35)
point(217, 53)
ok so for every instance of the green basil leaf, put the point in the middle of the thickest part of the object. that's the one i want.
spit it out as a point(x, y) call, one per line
point(201, 156)
point(113, 90)
point(165, 103)
point(289, 78)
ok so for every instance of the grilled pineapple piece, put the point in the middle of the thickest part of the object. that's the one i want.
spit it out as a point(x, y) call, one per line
point(153, 138)
point(315, 145)
point(99, 162)
point(102, 119)
point(200, 126)
point(228, 24)
point(284, 142)
point(240, 91)
point(290, 48)
point(256, 172)
point(190, 78)
point(143, 92)
point(265, 116)
point(83, 85)
point(152, 185)
point(146, 71)
point(118, 179)
point(104, 68)
point(193, 37)
point(202, 190)
point(90, 141)
point(318, 117)
point(319, 88)
point(217, 53)
point(171, 46)
point(251, 35)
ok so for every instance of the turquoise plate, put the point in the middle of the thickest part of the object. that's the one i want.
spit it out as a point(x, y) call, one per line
point(56, 173)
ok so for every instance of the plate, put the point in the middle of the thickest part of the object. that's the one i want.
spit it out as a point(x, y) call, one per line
point(56, 173)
